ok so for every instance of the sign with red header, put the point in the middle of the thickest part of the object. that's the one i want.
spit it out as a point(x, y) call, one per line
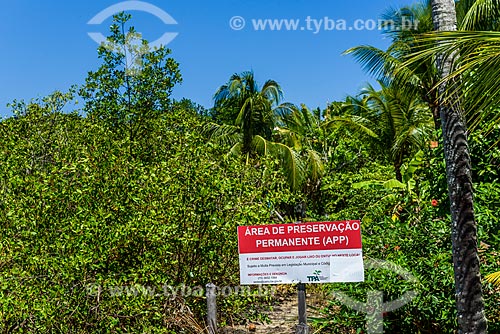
point(317, 252)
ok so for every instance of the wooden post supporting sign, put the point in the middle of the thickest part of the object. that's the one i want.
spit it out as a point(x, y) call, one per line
point(302, 327)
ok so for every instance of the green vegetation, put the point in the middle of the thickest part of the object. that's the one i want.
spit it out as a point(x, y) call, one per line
point(110, 216)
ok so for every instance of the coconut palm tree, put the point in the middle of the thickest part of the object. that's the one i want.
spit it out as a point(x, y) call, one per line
point(467, 63)
point(395, 123)
point(247, 117)
point(470, 75)
point(242, 103)
point(404, 26)
point(470, 306)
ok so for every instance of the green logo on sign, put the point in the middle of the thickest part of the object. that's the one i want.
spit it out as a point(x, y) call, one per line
point(315, 276)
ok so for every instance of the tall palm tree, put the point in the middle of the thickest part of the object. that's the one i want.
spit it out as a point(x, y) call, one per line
point(244, 104)
point(397, 124)
point(473, 79)
point(468, 66)
point(470, 306)
point(249, 116)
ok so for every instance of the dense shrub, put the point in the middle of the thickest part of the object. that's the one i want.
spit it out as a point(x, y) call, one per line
point(413, 233)
point(104, 233)
point(90, 227)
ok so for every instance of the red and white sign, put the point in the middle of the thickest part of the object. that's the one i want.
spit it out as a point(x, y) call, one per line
point(319, 252)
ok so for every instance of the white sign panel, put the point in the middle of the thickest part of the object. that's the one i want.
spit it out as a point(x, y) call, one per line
point(320, 252)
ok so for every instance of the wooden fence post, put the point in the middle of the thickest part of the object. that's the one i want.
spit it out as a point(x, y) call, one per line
point(211, 308)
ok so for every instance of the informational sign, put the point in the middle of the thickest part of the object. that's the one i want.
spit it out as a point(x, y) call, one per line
point(319, 252)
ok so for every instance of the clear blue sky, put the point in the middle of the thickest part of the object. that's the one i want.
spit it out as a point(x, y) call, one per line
point(46, 46)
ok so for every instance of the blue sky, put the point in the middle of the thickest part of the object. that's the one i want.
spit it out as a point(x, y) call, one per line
point(46, 45)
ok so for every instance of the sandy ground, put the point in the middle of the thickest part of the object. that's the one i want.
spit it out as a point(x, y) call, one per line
point(283, 318)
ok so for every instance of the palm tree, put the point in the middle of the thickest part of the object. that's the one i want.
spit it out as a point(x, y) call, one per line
point(406, 24)
point(468, 67)
point(397, 124)
point(247, 117)
point(470, 305)
point(240, 102)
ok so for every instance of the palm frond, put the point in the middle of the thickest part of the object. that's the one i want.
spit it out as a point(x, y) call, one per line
point(407, 21)
point(480, 14)
point(272, 91)
point(292, 163)
point(493, 278)
point(261, 145)
point(357, 123)
point(235, 150)
point(284, 110)
point(222, 134)
point(315, 165)
point(245, 112)
point(476, 71)
point(376, 62)
point(377, 184)
point(288, 137)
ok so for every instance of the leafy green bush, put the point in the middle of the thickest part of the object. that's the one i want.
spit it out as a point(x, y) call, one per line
point(95, 237)
point(414, 234)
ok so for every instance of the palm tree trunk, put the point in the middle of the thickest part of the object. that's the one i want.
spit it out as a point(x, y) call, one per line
point(469, 301)
point(397, 170)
